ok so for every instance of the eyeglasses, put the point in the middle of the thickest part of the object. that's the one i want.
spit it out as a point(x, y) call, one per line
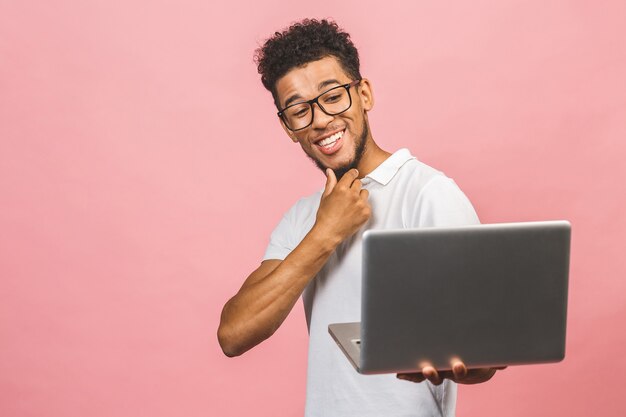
point(335, 101)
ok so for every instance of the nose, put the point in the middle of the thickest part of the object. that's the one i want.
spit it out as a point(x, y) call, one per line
point(320, 118)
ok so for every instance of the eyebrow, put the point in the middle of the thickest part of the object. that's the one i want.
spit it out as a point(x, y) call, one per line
point(320, 86)
point(327, 83)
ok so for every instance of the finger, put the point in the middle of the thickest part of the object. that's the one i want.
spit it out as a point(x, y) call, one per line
point(348, 178)
point(432, 375)
point(331, 181)
point(459, 369)
point(364, 194)
point(356, 184)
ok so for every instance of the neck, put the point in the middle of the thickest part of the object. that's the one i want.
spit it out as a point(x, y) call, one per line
point(373, 156)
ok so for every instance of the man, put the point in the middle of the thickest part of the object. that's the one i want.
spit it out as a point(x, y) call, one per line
point(312, 71)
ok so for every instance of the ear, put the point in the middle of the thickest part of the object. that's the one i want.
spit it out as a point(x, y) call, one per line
point(291, 134)
point(366, 94)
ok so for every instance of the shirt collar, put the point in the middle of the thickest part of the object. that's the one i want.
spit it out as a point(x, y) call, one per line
point(384, 172)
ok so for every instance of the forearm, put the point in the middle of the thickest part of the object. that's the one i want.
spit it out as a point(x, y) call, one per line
point(268, 295)
point(261, 306)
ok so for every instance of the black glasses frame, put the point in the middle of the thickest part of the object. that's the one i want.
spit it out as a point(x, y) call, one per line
point(281, 113)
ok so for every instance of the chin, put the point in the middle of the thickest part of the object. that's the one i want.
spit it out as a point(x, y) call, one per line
point(341, 171)
point(344, 162)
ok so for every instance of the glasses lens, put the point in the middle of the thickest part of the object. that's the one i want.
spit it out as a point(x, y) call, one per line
point(298, 116)
point(335, 101)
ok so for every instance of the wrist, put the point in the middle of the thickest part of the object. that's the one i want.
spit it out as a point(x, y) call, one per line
point(323, 239)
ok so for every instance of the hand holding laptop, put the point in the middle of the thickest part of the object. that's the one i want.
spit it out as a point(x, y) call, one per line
point(459, 374)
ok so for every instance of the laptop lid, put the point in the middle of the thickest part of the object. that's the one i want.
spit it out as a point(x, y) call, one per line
point(488, 294)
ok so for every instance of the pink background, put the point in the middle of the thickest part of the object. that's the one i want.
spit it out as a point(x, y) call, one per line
point(142, 169)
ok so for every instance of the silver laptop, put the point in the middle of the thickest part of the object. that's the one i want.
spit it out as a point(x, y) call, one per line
point(491, 295)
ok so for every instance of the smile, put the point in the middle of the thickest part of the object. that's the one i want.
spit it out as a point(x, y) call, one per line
point(330, 144)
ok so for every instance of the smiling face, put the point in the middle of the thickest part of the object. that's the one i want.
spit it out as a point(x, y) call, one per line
point(338, 142)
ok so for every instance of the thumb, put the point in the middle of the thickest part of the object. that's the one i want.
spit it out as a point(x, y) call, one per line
point(331, 181)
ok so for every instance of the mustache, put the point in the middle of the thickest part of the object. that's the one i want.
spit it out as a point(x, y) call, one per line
point(327, 131)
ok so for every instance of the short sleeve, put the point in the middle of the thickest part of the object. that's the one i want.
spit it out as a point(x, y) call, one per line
point(281, 240)
point(292, 228)
point(441, 203)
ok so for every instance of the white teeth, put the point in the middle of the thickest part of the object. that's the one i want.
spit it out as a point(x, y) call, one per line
point(331, 139)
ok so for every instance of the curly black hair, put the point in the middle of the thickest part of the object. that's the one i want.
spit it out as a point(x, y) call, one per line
point(303, 42)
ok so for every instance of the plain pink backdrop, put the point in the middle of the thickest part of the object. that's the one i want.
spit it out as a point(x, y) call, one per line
point(142, 169)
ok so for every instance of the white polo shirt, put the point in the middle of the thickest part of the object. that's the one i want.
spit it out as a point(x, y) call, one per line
point(403, 193)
